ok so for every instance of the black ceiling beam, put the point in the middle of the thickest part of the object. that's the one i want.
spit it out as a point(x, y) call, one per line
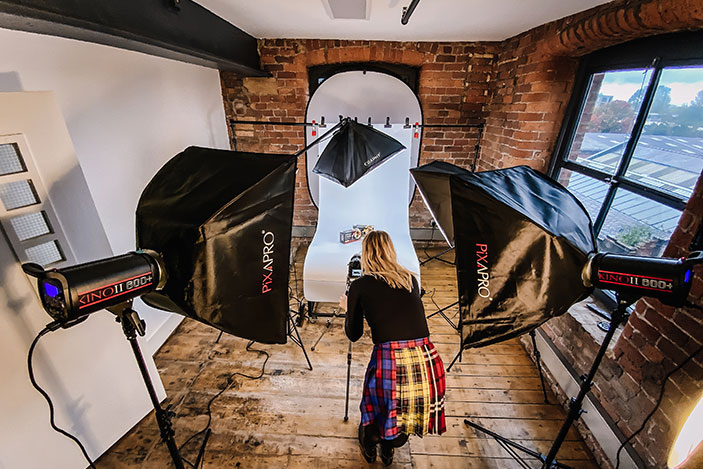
point(175, 29)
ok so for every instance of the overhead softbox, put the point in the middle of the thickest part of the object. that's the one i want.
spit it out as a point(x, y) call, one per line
point(354, 150)
point(222, 221)
point(522, 241)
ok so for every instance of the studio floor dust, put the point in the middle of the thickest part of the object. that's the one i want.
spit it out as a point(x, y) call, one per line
point(293, 417)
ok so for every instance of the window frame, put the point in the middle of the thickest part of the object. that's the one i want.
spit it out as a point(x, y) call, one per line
point(655, 53)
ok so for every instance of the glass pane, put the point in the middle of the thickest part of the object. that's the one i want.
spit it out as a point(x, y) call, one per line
point(10, 160)
point(30, 226)
point(18, 194)
point(608, 115)
point(637, 225)
point(589, 191)
point(45, 253)
point(669, 154)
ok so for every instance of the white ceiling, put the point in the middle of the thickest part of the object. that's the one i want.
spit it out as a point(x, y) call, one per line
point(433, 20)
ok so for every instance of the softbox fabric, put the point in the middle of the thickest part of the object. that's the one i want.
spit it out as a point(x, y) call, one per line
point(353, 150)
point(522, 241)
point(222, 221)
point(433, 181)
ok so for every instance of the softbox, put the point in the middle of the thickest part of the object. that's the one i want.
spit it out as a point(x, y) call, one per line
point(522, 241)
point(222, 221)
point(354, 150)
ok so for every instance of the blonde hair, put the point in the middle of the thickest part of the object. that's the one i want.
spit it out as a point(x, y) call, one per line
point(378, 259)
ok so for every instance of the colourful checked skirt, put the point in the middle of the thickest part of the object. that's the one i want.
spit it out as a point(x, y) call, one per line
point(404, 389)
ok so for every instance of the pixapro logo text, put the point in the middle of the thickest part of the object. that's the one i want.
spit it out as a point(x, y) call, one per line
point(482, 276)
point(267, 261)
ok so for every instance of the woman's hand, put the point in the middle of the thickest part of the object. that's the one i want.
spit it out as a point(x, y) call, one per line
point(343, 302)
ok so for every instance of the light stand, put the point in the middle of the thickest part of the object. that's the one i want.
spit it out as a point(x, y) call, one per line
point(132, 325)
point(438, 257)
point(618, 317)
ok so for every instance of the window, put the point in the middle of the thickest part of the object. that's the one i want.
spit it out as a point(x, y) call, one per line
point(631, 147)
point(26, 214)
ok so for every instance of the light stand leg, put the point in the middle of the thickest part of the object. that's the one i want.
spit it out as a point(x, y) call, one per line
point(575, 410)
point(349, 361)
point(456, 357)
point(437, 257)
point(538, 358)
point(296, 338)
point(163, 417)
point(441, 313)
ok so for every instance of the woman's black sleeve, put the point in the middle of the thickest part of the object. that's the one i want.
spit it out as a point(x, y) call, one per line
point(354, 323)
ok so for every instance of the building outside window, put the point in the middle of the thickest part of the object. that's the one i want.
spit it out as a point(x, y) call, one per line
point(631, 147)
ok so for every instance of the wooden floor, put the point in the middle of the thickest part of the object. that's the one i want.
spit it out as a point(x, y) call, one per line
point(293, 417)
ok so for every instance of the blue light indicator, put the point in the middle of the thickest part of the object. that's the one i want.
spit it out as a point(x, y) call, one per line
point(687, 277)
point(51, 290)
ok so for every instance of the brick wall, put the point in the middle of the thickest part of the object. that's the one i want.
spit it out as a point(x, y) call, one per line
point(453, 88)
point(534, 75)
point(519, 88)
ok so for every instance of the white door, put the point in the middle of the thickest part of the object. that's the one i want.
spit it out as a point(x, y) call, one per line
point(47, 216)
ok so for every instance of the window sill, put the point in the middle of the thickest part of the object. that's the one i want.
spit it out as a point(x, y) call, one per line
point(589, 320)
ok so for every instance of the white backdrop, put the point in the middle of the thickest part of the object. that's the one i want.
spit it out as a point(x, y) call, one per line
point(380, 198)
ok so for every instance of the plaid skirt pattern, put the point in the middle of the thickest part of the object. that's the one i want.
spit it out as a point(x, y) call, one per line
point(404, 389)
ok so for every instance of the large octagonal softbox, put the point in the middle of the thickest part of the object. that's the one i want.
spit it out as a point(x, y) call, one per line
point(222, 221)
point(521, 241)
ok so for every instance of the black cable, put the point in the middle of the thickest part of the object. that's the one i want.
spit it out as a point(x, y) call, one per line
point(434, 290)
point(659, 401)
point(230, 381)
point(50, 328)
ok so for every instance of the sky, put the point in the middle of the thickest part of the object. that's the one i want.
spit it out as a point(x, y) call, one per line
point(685, 83)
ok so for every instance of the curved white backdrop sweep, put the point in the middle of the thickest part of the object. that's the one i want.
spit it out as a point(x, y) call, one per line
point(380, 198)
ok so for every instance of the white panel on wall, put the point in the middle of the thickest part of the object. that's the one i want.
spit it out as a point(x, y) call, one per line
point(127, 114)
point(88, 370)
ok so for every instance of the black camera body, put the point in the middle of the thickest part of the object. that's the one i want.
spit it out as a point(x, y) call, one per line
point(353, 270)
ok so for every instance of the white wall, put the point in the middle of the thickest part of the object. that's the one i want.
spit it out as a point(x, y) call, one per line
point(127, 114)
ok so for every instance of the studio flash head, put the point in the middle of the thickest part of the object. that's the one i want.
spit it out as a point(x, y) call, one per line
point(668, 280)
point(71, 293)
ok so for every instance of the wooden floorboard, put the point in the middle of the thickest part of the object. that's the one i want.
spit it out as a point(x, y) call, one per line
point(293, 417)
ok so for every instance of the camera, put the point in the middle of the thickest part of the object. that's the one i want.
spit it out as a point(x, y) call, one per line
point(353, 270)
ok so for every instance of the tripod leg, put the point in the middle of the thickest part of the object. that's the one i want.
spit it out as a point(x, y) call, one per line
point(538, 357)
point(349, 360)
point(297, 339)
point(324, 331)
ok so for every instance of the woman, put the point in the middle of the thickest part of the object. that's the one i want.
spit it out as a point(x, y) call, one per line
point(404, 384)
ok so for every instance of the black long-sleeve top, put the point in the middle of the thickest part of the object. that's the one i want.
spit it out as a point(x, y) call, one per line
point(392, 313)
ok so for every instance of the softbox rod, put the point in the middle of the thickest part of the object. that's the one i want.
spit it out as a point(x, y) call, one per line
point(318, 139)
